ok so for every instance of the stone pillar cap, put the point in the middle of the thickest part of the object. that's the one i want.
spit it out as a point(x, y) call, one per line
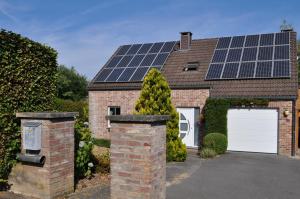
point(47, 115)
point(138, 118)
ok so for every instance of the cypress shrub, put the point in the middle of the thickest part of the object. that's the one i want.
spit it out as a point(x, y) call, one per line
point(28, 77)
point(155, 99)
point(216, 142)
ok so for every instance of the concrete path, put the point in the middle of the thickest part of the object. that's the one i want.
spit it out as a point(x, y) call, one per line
point(235, 175)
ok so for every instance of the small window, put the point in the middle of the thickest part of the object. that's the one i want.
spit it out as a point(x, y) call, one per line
point(191, 66)
point(113, 110)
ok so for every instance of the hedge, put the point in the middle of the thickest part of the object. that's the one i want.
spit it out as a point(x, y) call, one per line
point(80, 106)
point(216, 142)
point(215, 112)
point(27, 83)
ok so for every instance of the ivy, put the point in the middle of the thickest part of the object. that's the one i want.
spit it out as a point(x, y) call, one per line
point(28, 73)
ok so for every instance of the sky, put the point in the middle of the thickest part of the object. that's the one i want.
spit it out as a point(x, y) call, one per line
point(87, 32)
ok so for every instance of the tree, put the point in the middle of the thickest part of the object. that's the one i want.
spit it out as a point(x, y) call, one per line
point(155, 99)
point(70, 84)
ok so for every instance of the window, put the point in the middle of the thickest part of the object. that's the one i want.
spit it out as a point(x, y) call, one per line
point(113, 110)
point(191, 66)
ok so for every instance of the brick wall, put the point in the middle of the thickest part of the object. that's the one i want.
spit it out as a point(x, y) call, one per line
point(285, 126)
point(138, 160)
point(100, 100)
point(56, 176)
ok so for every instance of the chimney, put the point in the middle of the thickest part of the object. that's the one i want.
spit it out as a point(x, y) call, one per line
point(185, 40)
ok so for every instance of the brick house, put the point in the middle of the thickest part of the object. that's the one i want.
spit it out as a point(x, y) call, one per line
point(251, 66)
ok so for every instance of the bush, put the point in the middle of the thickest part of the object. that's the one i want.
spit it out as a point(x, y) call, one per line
point(83, 151)
point(28, 78)
point(101, 157)
point(155, 99)
point(207, 153)
point(102, 143)
point(216, 141)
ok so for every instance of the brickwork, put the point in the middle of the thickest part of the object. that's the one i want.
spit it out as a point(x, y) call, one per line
point(285, 126)
point(138, 160)
point(56, 176)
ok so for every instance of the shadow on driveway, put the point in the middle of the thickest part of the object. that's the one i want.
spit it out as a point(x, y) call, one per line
point(235, 175)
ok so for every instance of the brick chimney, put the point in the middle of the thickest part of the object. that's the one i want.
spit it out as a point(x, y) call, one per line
point(185, 40)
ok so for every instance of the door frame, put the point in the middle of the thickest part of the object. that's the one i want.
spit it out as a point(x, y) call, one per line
point(263, 108)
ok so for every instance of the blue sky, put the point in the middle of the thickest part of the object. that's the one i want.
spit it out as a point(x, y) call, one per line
point(86, 33)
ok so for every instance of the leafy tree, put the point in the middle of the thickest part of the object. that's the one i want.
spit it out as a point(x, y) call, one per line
point(70, 84)
point(155, 99)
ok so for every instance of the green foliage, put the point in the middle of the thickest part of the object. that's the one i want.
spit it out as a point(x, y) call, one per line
point(155, 99)
point(207, 153)
point(215, 112)
point(102, 143)
point(70, 84)
point(27, 83)
point(80, 106)
point(83, 150)
point(216, 141)
point(101, 157)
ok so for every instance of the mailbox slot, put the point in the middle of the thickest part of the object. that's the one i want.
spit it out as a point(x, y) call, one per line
point(32, 136)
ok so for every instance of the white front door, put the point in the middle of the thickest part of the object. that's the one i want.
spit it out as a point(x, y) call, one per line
point(187, 126)
point(253, 130)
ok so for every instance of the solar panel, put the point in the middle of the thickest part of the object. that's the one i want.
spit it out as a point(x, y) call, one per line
point(219, 56)
point(282, 52)
point(145, 48)
point(265, 53)
point(139, 74)
point(247, 70)
point(103, 75)
point(156, 47)
point(148, 60)
point(168, 46)
point(281, 69)
point(224, 42)
point(160, 59)
point(214, 71)
point(251, 40)
point(249, 54)
point(230, 70)
point(237, 41)
point(123, 50)
point(114, 75)
point(234, 55)
point(282, 38)
point(134, 48)
point(136, 61)
point(266, 39)
point(264, 69)
point(125, 60)
point(126, 75)
point(113, 62)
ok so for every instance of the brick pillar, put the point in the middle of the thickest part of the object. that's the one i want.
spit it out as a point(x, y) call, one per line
point(138, 156)
point(56, 176)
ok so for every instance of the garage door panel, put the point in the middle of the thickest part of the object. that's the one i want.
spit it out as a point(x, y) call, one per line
point(253, 130)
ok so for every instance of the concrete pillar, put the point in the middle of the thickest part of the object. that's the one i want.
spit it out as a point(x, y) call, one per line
point(138, 156)
point(55, 177)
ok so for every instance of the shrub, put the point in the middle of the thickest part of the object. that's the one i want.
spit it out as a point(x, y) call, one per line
point(207, 153)
point(155, 99)
point(83, 150)
point(28, 77)
point(216, 141)
point(101, 157)
point(102, 143)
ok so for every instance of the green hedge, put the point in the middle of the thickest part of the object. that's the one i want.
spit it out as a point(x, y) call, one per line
point(28, 77)
point(80, 106)
point(216, 141)
point(215, 112)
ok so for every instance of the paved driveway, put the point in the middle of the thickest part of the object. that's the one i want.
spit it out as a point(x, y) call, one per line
point(235, 175)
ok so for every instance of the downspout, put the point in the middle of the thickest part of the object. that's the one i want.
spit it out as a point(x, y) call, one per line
point(293, 126)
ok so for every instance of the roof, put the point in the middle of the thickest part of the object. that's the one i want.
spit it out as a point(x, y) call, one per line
point(202, 51)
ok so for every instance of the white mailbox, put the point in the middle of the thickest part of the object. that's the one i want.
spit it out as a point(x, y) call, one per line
point(32, 134)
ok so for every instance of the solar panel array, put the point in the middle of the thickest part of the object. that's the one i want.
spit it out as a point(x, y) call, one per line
point(251, 57)
point(132, 62)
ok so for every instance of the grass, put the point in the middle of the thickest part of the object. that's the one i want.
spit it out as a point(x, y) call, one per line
point(102, 143)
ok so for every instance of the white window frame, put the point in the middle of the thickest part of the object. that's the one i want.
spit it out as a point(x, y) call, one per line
point(109, 112)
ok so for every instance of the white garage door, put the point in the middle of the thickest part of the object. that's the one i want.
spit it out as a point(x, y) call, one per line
point(253, 130)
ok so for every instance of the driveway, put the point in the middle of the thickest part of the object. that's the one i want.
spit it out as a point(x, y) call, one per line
point(235, 175)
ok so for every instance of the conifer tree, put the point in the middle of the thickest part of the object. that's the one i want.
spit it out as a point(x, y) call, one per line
point(155, 99)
